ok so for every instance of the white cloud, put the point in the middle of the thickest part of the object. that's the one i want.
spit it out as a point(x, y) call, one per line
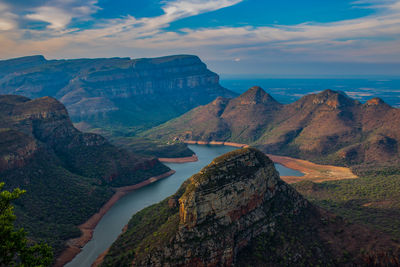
point(56, 17)
point(7, 19)
point(374, 38)
point(60, 13)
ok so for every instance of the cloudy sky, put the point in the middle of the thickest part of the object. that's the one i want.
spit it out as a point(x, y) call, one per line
point(243, 38)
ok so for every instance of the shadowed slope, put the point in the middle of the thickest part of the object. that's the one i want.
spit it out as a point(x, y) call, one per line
point(68, 175)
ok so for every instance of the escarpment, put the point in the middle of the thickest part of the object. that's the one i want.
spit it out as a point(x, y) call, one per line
point(115, 91)
point(68, 175)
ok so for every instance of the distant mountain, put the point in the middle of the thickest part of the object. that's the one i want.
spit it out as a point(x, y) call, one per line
point(238, 212)
point(68, 174)
point(111, 92)
point(328, 126)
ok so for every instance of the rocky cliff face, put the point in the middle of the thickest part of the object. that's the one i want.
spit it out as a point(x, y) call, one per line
point(28, 125)
point(236, 198)
point(328, 125)
point(238, 212)
point(115, 90)
point(230, 202)
point(68, 174)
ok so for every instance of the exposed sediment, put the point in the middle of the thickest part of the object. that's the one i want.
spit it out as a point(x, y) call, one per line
point(192, 158)
point(312, 172)
point(75, 245)
point(218, 143)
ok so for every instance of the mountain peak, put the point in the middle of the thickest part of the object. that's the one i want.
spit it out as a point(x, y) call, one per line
point(239, 167)
point(256, 95)
point(376, 101)
point(334, 99)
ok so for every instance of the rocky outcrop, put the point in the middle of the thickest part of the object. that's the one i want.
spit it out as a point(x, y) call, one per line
point(238, 212)
point(234, 199)
point(226, 205)
point(115, 90)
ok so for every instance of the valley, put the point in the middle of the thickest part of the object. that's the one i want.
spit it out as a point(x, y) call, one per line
point(68, 175)
point(246, 229)
point(199, 133)
point(342, 154)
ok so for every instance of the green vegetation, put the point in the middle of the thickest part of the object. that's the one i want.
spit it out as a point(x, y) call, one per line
point(327, 127)
point(147, 228)
point(15, 248)
point(56, 200)
point(372, 200)
point(294, 242)
point(68, 175)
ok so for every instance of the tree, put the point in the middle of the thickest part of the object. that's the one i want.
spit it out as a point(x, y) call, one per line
point(15, 249)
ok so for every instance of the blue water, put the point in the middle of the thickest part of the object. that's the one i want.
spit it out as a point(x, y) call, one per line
point(289, 90)
point(110, 226)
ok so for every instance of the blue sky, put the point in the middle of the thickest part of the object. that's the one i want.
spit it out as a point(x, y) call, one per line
point(236, 38)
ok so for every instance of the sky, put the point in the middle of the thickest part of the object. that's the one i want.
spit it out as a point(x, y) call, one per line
point(235, 38)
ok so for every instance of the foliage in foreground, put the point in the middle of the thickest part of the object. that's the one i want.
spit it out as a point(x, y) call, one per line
point(15, 248)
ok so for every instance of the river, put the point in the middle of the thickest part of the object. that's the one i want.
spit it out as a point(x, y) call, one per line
point(110, 226)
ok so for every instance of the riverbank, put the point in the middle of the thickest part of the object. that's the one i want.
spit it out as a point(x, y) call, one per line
point(192, 158)
point(218, 143)
point(75, 245)
point(312, 172)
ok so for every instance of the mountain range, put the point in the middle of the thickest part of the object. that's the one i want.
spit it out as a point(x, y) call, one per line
point(325, 127)
point(68, 175)
point(115, 94)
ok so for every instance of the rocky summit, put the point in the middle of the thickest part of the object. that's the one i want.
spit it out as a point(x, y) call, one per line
point(235, 211)
point(231, 201)
point(328, 127)
point(115, 91)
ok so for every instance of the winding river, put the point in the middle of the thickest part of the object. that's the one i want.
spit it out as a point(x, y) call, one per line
point(112, 223)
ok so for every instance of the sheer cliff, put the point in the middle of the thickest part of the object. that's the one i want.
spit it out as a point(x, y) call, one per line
point(115, 91)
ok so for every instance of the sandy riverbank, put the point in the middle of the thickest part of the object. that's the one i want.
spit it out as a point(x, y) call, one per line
point(215, 143)
point(75, 245)
point(192, 158)
point(312, 171)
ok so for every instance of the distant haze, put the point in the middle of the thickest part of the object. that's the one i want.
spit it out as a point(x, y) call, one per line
point(289, 90)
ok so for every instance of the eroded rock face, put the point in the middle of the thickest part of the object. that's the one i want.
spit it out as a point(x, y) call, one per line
point(31, 128)
point(234, 199)
point(135, 91)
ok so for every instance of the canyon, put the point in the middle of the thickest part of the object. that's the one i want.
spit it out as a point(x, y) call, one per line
point(68, 175)
point(115, 94)
point(233, 212)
